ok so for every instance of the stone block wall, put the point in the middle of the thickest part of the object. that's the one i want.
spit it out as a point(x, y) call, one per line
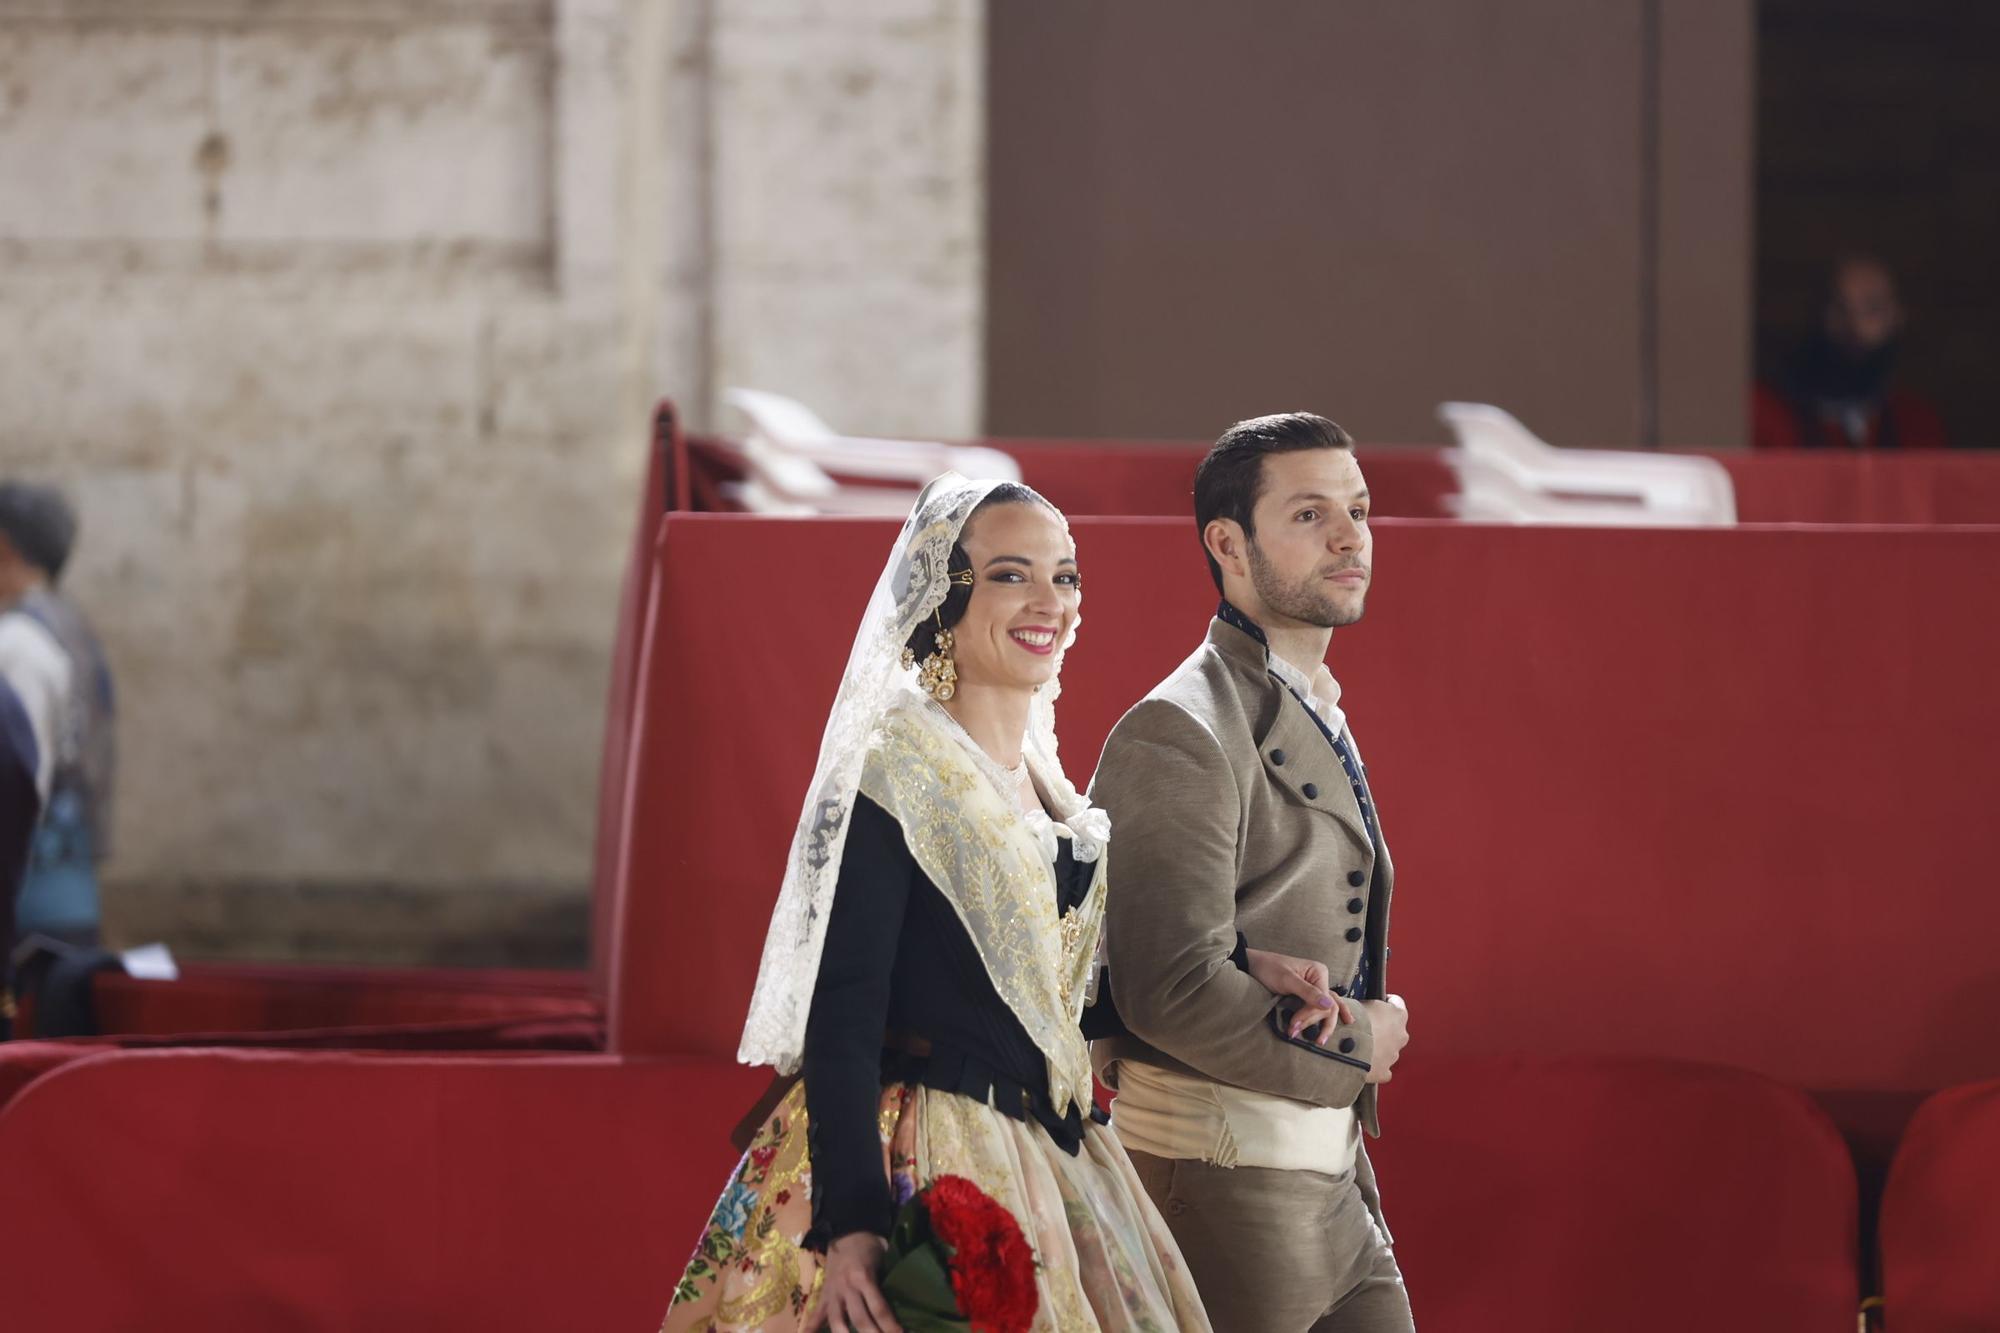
point(340, 319)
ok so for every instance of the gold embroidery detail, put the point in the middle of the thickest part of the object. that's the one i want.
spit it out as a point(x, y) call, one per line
point(1101, 1253)
point(986, 861)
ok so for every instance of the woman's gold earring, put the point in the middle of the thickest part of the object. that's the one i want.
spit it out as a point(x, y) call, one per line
point(939, 674)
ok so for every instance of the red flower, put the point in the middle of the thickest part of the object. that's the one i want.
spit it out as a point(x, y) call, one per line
point(992, 1267)
point(761, 1157)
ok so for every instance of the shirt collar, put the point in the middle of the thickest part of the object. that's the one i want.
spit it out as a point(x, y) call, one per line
point(1230, 616)
point(1319, 692)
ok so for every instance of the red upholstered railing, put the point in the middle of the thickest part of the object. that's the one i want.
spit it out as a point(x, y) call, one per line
point(274, 998)
point(300, 1007)
point(196, 1190)
point(1924, 487)
point(1940, 1229)
point(664, 487)
point(1691, 794)
point(188, 1190)
point(1637, 1195)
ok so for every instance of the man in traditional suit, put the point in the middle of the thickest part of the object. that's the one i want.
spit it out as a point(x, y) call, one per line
point(1243, 815)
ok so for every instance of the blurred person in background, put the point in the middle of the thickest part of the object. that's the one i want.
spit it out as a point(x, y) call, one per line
point(20, 812)
point(1835, 392)
point(51, 659)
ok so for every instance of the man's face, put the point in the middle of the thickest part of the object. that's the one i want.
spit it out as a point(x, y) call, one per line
point(1863, 313)
point(1312, 556)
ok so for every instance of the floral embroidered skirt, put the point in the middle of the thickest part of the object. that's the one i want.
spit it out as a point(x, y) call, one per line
point(1105, 1258)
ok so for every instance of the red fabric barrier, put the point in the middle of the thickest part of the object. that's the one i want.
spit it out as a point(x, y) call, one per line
point(666, 462)
point(1927, 487)
point(197, 1190)
point(218, 998)
point(1940, 1227)
point(259, 1190)
point(21, 1062)
point(330, 1008)
point(1615, 1194)
point(1682, 794)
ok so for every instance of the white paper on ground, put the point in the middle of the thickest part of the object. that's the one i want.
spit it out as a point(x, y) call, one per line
point(150, 962)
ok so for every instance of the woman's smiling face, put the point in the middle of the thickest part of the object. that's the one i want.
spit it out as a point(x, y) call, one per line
point(1025, 592)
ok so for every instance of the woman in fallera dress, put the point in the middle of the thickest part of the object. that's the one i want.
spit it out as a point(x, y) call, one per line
point(930, 970)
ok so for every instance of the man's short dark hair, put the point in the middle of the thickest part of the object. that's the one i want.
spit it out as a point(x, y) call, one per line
point(1230, 479)
point(39, 523)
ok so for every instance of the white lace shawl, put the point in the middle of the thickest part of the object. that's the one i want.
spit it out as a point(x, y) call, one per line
point(912, 586)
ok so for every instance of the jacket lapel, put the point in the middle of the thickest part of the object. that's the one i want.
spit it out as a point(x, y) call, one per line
point(1309, 759)
point(1297, 757)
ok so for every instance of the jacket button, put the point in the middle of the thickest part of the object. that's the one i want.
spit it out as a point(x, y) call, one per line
point(1312, 792)
point(1355, 879)
point(1353, 934)
point(1355, 904)
point(1346, 1045)
point(1278, 758)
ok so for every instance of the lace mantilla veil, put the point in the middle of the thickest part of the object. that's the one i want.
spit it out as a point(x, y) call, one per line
point(912, 587)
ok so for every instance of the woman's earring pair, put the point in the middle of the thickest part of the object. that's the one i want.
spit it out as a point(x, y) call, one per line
point(937, 673)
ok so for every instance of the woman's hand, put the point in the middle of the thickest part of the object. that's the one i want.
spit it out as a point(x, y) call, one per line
point(1306, 980)
point(849, 1299)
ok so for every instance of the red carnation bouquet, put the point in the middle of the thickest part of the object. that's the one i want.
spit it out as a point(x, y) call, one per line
point(958, 1263)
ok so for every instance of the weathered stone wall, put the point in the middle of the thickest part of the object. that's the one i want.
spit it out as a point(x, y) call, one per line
point(849, 198)
point(340, 319)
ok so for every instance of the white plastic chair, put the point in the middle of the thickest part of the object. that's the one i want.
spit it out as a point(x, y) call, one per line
point(793, 456)
point(1507, 475)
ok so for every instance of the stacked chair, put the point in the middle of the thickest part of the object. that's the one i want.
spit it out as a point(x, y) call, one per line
point(1507, 474)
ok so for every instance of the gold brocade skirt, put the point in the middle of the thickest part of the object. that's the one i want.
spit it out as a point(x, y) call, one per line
point(1105, 1259)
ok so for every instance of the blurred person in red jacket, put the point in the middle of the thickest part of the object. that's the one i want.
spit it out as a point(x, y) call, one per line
point(1835, 392)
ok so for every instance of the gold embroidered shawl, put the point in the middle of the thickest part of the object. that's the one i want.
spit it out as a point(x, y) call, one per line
point(988, 863)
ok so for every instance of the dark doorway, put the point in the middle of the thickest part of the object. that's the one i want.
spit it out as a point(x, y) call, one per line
point(1878, 131)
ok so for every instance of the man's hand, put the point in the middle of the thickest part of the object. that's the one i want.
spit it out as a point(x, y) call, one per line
point(1306, 980)
point(1390, 1021)
point(850, 1301)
